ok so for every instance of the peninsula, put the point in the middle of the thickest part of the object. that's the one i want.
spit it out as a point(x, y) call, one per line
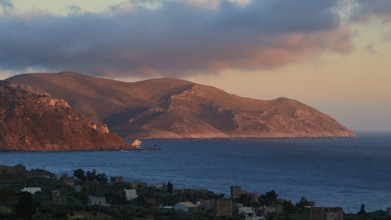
point(170, 108)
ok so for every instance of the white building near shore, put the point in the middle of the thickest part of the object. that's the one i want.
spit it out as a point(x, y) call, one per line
point(31, 190)
point(130, 194)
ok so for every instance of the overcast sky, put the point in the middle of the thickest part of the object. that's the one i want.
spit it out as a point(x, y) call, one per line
point(333, 55)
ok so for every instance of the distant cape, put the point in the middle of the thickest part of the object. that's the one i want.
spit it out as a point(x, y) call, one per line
point(171, 108)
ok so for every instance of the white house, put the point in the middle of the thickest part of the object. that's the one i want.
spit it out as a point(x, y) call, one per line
point(186, 207)
point(130, 194)
point(94, 200)
point(31, 190)
point(249, 213)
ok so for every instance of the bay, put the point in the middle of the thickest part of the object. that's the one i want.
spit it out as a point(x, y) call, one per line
point(343, 172)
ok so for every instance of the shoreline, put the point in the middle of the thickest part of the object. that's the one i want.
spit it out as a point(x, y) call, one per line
point(32, 173)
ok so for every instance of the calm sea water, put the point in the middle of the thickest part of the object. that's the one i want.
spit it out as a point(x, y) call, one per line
point(332, 172)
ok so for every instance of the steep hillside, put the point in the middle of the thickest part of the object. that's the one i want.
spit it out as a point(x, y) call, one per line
point(171, 108)
point(32, 120)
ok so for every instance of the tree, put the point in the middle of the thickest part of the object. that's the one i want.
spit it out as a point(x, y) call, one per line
point(116, 196)
point(25, 207)
point(288, 207)
point(249, 199)
point(6, 195)
point(269, 198)
point(362, 210)
point(141, 200)
point(91, 176)
point(302, 203)
point(79, 174)
point(170, 187)
point(101, 178)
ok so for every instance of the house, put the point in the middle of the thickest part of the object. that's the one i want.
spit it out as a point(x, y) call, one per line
point(117, 179)
point(335, 213)
point(220, 207)
point(268, 210)
point(313, 213)
point(322, 213)
point(31, 190)
point(276, 208)
point(250, 197)
point(94, 200)
point(205, 204)
point(162, 187)
point(59, 198)
point(138, 184)
point(130, 194)
point(223, 207)
point(67, 180)
point(236, 192)
point(248, 213)
point(188, 207)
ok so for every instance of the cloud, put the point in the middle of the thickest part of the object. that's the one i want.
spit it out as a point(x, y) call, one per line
point(6, 4)
point(387, 35)
point(74, 9)
point(174, 38)
point(373, 8)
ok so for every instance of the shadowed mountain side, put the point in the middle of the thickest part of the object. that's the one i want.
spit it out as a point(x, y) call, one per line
point(171, 108)
point(31, 120)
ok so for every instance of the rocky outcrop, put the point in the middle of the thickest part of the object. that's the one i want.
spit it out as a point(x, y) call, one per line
point(32, 120)
point(103, 129)
point(136, 143)
point(171, 108)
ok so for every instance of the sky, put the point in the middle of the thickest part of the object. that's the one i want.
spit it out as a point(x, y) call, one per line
point(333, 55)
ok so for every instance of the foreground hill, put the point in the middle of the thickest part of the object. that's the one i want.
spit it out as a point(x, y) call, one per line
point(31, 120)
point(171, 108)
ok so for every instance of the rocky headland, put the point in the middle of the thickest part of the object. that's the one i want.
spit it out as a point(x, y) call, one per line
point(33, 120)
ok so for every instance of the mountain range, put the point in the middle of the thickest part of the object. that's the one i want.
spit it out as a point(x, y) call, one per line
point(172, 108)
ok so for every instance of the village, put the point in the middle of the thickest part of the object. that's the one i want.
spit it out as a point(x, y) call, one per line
point(39, 194)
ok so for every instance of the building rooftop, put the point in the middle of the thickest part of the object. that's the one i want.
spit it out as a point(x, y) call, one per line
point(188, 204)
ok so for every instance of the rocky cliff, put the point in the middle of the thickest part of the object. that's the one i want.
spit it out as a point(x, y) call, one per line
point(171, 108)
point(32, 120)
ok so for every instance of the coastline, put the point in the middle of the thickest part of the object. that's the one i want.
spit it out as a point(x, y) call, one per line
point(328, 166)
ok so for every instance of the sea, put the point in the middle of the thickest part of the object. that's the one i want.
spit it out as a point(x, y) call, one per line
point(333, 172)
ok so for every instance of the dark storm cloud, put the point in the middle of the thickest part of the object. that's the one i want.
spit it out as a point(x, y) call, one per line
point(176, 39)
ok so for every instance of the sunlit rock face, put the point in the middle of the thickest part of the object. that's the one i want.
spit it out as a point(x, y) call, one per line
point(32, 120)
